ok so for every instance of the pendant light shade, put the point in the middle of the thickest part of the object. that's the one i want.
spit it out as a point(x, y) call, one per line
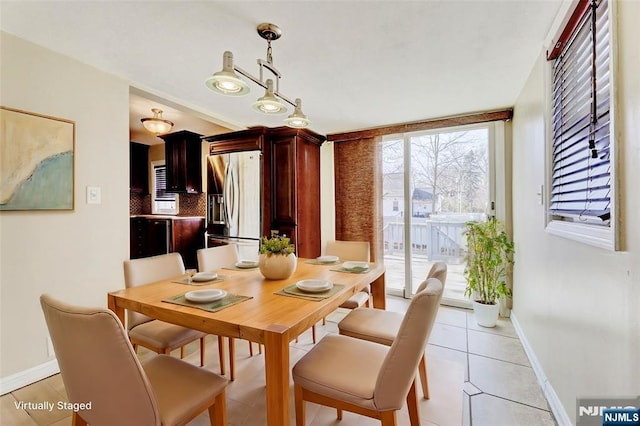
point(269, 104)
point(156, 124)
point(227, 82)
point(297, 120)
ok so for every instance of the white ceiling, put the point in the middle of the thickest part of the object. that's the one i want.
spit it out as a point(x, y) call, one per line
point(355, 64)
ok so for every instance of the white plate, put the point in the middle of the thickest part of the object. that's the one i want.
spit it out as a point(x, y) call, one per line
point(204, 276)
point(355, 266)
point(314, 286)
point(246, 264)
point(327, 259)
point(206, 295)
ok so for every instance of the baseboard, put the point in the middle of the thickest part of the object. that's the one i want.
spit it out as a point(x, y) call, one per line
point(562, 418)
point(27, 377)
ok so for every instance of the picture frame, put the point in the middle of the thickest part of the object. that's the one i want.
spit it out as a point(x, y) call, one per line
point(37, 161)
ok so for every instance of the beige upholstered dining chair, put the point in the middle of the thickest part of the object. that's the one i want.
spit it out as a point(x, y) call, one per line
point(382, 327)
point(366, 377)
point(98, 366)
point(211, 259)
point(159, 336)
point(349, 251)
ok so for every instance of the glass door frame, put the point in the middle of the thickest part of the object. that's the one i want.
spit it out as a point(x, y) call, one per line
point(496, 137)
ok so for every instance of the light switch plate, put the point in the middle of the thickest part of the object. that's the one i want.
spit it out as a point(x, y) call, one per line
point(94, 195)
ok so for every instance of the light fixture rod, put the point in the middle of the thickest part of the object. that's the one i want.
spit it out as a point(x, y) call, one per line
point(264, 85)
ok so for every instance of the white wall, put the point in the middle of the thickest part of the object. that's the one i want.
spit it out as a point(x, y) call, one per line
point(578, 305)
point(74, 255)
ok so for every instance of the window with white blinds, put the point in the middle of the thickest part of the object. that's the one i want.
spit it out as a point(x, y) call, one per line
point(581, 181)
point(162, 202)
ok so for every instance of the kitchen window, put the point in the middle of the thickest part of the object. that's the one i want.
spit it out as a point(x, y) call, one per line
point(581, 161)
point(162, 202)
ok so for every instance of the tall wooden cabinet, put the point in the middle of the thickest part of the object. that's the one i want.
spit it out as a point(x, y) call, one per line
point(290, 180)
point(183, 159)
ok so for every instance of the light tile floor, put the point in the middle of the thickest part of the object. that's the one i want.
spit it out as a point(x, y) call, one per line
point(499, 387)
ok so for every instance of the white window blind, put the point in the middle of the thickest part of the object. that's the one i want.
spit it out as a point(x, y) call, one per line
point(161, 184)
point(581, 162)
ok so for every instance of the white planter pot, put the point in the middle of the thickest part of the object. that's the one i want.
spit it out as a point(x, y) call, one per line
point(277, 266)
point(486, 315)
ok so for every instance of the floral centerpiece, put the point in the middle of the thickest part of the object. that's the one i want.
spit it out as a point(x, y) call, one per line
point(277, 259)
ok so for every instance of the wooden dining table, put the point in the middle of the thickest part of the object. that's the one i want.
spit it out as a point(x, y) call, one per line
point(271, 319)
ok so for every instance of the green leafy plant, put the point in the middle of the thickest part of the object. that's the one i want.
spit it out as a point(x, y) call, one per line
point(489, 255)
point(277, 244)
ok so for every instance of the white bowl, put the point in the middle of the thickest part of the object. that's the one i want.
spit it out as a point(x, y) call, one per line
point(355, 266)
point(314, 286)
point(205, 295)
point(246, 264)
point(204, 276)
point(327, 259)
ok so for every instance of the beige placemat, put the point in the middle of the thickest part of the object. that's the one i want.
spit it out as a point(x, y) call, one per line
point(225, 302)
point(315, 262)
point(185, 280)
point(235, 268)
point(352, 271)
point(294, 291)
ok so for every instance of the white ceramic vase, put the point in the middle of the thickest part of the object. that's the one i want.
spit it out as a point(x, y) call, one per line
point(277, 266)
point(486, 315)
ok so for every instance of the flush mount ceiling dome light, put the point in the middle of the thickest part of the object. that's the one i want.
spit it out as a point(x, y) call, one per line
point(156, 124)
point(227, 82)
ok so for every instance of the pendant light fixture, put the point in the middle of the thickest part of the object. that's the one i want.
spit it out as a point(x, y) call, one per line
point(156, 124)
point(228, 82)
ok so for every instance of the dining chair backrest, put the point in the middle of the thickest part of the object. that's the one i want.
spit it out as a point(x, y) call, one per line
point(148, 270)
point(438, 270)
point(212, 258)
point(349, 250)
point(399, 367)
point(98, 365)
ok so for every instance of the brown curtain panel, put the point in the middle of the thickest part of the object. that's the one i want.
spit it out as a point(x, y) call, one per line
point(358, 192)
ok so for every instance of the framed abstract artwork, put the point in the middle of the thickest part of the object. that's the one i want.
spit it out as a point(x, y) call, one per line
point(36, 161)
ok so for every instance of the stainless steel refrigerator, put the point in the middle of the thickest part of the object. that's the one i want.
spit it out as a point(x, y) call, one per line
point(234, 201)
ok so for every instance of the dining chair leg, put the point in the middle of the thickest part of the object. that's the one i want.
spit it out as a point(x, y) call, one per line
point(324, 320)
point(232, 358)
point(218, 411)
point(412, 405)
point(223, 367)
point(299, 405)
point(313, 333)
point(250, 348)
point(388, 418)
point(181, 352)
point(202, 343)
point(422, 369)
point(260, 348)
point(339, 414)
point(76, 420)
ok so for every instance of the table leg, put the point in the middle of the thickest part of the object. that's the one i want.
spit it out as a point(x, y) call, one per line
point(378, 292)
point(276, 350)
point(111, 304)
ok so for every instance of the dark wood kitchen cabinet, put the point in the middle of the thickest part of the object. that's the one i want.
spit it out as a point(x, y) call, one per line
point(151, 236)
point(138, 168)
point(293, 182)
point(183, 159)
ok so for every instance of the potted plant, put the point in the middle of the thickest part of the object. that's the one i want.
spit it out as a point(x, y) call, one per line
point(277, 259)
point(489, 255)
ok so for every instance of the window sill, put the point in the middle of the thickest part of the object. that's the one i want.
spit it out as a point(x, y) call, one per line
point(593, 235)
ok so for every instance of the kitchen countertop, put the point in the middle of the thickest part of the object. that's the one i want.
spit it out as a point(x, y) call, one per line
point(161, 216)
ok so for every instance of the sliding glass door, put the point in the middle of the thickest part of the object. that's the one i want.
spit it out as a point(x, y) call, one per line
point(433, 182)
